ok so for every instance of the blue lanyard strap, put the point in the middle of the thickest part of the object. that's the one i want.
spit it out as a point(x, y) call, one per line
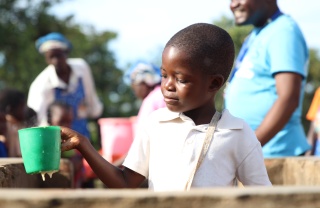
point(275, 15)
point(248, 41)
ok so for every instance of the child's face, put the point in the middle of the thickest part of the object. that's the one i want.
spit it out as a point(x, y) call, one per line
point(184, 86)
point(61, 117)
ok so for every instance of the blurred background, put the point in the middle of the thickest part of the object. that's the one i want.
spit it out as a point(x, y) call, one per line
point(111, 35)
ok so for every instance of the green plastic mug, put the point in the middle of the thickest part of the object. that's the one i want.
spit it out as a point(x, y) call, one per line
point(40, 148)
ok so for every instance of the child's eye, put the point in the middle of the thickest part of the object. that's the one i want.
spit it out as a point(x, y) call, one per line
point(163, 75)
point(181, 81)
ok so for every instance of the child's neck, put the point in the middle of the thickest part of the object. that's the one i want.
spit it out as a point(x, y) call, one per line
point(64, 74)
point(201, 116)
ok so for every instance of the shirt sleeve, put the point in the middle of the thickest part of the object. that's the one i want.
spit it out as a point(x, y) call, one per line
point(287, 51)
point(93, 103)
point(138, 155)
point(39, 97)
point(252, 171)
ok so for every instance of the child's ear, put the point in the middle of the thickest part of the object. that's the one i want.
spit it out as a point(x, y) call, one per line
point(216, 82)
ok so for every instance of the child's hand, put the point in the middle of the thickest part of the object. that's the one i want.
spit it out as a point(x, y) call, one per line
point(69, 139)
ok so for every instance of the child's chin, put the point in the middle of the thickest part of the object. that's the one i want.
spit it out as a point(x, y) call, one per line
point(174, 109)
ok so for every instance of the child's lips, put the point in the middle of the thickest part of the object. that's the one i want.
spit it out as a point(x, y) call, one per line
point(171, 100)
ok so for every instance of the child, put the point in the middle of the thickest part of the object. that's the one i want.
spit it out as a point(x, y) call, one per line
point(13, 105)
point(169, 150)
point(61, 114)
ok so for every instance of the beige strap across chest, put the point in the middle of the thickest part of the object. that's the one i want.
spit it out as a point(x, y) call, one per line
point(205, 146)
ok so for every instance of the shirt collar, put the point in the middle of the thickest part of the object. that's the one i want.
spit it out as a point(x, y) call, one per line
point(54, 79)
point(168, 115)
point(275, 15)
point(227, 121)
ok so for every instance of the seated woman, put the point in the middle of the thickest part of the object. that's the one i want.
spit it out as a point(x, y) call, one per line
point(145, 81)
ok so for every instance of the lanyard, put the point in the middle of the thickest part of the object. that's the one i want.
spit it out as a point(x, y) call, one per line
point(205, 146)
point(248, 41)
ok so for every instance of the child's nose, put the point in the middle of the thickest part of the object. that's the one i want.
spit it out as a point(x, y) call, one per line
point(169, 84)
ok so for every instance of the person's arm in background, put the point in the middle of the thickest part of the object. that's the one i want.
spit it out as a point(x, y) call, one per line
point(94, 105)
point(312, 137)
point(288, 61)
point(311, 116)
point(39, 98)
point(288, 89)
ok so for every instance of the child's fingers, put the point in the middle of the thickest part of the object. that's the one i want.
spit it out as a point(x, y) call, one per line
point(66, 145)
point(69, 139)
point(66, 133)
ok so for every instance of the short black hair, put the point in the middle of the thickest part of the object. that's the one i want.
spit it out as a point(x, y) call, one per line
point(31, 117)
point(11, 99)
point(208, 46)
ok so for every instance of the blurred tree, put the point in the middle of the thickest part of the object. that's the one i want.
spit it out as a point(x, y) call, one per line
point(238, 35)
point(313, 82)
point(23, 21)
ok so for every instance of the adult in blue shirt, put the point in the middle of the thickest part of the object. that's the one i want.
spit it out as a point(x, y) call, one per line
point(267, 85)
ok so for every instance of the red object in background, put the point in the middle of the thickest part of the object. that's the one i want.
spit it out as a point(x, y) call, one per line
point(116, 137)
point(88, 172)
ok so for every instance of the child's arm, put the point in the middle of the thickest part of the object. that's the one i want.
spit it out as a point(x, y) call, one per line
point(110, 175)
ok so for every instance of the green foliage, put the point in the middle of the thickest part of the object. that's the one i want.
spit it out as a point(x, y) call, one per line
point(23, 21)
point(314, 69)
point(313, 82)
point(238, 35)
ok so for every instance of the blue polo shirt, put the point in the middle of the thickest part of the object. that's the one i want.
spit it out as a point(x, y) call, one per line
point(277, 47)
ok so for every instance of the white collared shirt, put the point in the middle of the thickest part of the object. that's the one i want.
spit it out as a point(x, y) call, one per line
point(166, 152)
point(41, 92)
